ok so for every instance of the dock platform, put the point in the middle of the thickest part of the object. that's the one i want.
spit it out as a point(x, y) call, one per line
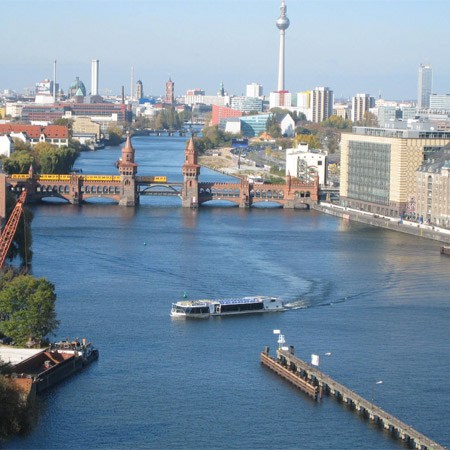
point(314, 383)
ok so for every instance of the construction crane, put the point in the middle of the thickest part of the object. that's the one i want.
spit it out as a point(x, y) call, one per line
point(10, 228)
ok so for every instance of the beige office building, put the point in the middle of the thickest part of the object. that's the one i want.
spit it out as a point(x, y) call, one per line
point(378, 167)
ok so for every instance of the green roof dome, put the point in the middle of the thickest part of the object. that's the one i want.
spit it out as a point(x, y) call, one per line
point(76, 85)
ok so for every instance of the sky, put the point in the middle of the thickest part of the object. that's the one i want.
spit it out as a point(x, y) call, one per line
point(351, 46)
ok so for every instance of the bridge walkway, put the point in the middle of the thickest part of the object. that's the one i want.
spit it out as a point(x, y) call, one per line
point(302, 370)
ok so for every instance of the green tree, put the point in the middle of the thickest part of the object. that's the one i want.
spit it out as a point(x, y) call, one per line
point(274, 131)
point(338, 123)
point(309, 139)
point(115, 135)
point(27, 308)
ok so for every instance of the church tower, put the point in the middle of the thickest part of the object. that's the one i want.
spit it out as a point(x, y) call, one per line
point(191, 171)
point(128, 169)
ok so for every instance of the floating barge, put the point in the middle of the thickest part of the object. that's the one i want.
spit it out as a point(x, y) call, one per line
point(445, 250)
point(52, 365)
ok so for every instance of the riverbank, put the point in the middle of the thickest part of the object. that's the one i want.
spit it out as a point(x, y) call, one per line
point(223, 161)
point(389, 223)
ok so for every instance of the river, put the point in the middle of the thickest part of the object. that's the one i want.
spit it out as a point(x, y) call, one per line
point(377, 300)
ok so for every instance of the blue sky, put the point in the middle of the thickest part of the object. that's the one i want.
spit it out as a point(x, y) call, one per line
point(349, 45)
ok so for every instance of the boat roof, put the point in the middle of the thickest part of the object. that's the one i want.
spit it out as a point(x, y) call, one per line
point(223, 301)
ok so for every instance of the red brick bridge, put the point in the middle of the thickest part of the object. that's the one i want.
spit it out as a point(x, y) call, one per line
point(126, 188)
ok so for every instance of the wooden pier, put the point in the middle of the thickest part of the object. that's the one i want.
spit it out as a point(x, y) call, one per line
point(314, 383)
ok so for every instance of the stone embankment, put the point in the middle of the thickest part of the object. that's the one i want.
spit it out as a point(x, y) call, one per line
point(389, 223)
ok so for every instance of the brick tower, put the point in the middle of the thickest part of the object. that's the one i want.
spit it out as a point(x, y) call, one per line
point(191, 171)
point(127, 170)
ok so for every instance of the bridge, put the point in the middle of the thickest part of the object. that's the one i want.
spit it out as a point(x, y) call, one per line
point(126, 188)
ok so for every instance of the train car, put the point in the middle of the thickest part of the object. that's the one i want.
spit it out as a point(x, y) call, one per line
point(157, 179)
point(47, 177)
point(19, 176)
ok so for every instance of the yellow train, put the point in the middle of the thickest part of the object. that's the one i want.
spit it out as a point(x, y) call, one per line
point(99, 177)
point(157, 179)
point(50, 177)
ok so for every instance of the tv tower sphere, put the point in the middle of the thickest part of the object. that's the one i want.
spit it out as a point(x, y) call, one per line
point(282, 21)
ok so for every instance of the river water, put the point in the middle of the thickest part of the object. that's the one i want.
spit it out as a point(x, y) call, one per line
point(378, 301)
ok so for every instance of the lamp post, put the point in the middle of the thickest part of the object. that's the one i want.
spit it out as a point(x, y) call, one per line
point(373, 389)
point(281, 338)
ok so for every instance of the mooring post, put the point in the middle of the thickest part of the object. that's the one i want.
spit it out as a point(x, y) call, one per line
point(266, 351)
point(291, 349)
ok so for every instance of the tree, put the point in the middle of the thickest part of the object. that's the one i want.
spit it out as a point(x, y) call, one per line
point(16, 416)
point(115, 135)
point(338, 122)
point(309, 139)
point(27, 308)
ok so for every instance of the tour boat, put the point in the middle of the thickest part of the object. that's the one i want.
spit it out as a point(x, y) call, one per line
point(202, 309)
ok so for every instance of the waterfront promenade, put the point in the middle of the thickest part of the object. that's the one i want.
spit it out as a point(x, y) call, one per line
point(388, 223)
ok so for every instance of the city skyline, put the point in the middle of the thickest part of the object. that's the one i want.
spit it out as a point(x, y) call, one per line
point(351, 46)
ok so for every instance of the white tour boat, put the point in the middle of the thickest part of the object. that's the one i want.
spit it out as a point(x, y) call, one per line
point(202, 309)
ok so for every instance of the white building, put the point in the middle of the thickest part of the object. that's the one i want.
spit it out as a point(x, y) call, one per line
point(287, 125)
point(254, 90)
point(304, 164)
point(6, 146)
point(14, 109)
point(440, 102)
point(280, 99)
point(361, 104)
point(193, 98)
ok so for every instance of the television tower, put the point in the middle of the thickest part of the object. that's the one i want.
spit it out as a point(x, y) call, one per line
point(282, 24)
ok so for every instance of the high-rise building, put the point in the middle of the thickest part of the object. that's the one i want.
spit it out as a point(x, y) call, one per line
point(94, 77)
point(361, 103)
point(139, 90)
point(321, 104)
point(170, 99)
point(425, 86)
point(254, 90)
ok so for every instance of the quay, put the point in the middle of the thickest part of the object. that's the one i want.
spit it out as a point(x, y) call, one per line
point(314, 383)
point(402, 226)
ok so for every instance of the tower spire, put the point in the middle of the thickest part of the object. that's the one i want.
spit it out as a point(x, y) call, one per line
point(282, 24)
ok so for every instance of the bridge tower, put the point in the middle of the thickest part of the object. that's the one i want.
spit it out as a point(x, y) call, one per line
point(191, 171)
point(127, 169)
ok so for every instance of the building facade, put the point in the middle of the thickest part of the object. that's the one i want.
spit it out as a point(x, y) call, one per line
point(378, 167)
point(254, 90)
point(170, 92)
point(222, 112)
point(361, 104)
point(139, 90)
point(425, 86)
point(440, 102)
point(432, 201)
point(247, 104)
point(305, 164)
point(321, 104)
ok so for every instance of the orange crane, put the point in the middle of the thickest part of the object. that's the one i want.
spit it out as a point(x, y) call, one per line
point(10, 228)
